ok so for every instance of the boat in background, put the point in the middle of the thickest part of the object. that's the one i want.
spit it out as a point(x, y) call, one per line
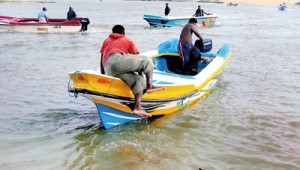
point(115, 101)
point(282, 7)
point(169, 21)
point(34, 26)
point(232, 4)
point(210, 1)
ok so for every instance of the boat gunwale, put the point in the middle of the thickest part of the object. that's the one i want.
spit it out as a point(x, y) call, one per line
point(90, 92)
point(14, 21)
point(146, 16)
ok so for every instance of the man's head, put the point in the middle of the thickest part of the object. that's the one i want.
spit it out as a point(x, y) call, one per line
point(167, 4)
point(193, 21)
point(199, 6)
point(44, 9)
point(118, 29)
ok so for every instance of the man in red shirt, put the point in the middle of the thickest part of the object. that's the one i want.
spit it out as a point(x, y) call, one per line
point(119, 59)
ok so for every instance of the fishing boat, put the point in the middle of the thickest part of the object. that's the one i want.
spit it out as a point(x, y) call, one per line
point(115, 101)
point(170, 21)
point(282, 8)
point(232, 4)
point(34, 26)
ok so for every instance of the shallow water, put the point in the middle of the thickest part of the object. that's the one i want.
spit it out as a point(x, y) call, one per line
point(250, 121)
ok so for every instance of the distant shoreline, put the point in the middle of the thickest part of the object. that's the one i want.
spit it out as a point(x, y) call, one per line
point(265, 2)
point(24, 2)
point(256, 2)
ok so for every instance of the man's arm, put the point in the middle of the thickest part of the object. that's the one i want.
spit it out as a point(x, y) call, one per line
point(46, 17)
point(195, 13)
point(132, 47)
point(101, 65)
point(197, 33)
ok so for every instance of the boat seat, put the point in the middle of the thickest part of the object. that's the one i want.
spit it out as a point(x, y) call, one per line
point(173, 64)
point(161, 64)
point(202, 65)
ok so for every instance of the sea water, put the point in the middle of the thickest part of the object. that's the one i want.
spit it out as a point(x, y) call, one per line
point(250, 121)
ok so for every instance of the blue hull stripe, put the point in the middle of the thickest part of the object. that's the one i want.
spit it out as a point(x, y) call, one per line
point(119, 116)
point(111, 117)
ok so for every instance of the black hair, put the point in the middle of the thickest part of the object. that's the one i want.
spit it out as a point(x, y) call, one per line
point(118, 29)
point(193, 20)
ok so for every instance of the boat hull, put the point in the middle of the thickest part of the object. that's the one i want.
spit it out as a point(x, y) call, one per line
point(205, 21)
point(232, 4)
point(114, 112)
point(41, 28)
point(32, 25)
point(282, 8)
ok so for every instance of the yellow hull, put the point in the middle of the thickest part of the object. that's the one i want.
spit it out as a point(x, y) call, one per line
point(114, 99)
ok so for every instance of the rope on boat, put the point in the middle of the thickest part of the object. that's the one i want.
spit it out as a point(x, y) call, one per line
point(181, 105)
point(110, 85)
point(75, 93)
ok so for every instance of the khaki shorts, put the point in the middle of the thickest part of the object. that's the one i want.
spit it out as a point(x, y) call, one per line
point(126, 67)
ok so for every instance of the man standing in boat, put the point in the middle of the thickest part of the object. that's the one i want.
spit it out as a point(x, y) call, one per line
point(187, 51)
point(167, 10)
point(42, 16)
point(71, 15)
point(119, 58)
point(199, 12)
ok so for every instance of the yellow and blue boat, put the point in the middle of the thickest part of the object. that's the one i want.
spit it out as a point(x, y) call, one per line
point(115, 101)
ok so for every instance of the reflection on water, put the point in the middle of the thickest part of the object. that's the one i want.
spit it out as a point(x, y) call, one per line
point(250, 120)
point(133, 146)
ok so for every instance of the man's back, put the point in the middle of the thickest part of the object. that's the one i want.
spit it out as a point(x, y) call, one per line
point(71, 15)
point(117, 43)
point(199, 12)
point(42, 14)
point(186, 33)
point(167, 9)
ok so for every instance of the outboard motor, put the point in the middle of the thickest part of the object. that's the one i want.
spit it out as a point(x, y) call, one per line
point(84, 23)
point(204, 46)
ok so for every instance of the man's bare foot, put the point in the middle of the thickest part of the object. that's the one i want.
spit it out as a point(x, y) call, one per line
point(154, 88)
point(141, 112)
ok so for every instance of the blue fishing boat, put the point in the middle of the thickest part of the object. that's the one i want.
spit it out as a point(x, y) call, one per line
point(282, 7)
point(169, 21)
point(115, 101)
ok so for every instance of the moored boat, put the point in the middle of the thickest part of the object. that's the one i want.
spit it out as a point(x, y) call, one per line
point(115, 101)
point(52, 26)
point(169, 21)
point(232, 4)
point(282, 8)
